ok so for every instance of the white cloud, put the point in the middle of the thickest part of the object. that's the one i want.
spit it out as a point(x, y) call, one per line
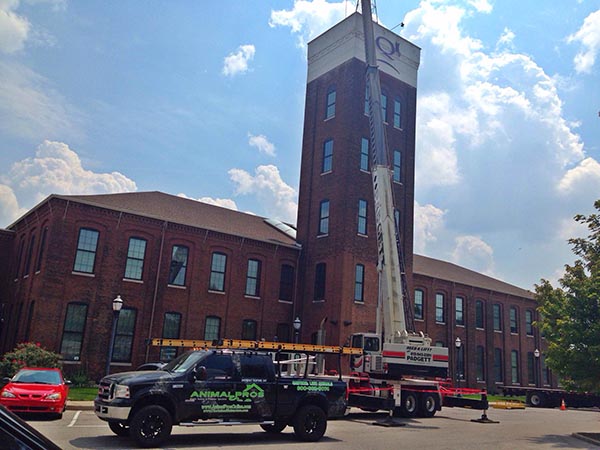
point(482, 6)
point(262, 144)
point(14, 28)
point(429, 221)
point(589, 38)
point(237, 62)
point(56, 169)
point(308, 19)
point(278, 198)
point(584, 177)
point(441, 24)
point(506, 39)
point(31, 108)
point(222, 202)
point(473, 252)
point(9, 206)
point(495, 152)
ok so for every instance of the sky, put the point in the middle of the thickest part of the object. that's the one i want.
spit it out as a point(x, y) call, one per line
point(206, 100)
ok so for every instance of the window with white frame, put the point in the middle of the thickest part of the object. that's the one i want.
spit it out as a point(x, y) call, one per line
point(440, 316)
point(364, 154)
point(86, 250)
point(362, 217)
point(324, 217)
point(460, 311)
point(134, 266)
point(330, 106)
point(397, 174)
point(73, 330)
point(212, 328)
point(359, 283)
point(253, 278)
point(397, 113)
point(218, 267)
point(419, 298)
point(327, 156)
point(178, 268)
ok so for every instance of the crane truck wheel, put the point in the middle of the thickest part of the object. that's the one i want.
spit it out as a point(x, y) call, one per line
point(409, 406)
point(428, 404)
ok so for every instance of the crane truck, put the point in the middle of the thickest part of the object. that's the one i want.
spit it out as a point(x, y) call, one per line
point(397, 360)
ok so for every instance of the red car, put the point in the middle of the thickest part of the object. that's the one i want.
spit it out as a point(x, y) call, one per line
point(36, 390)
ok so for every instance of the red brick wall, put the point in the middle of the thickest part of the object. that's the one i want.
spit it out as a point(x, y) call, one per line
point(471, 337)
point(55, 285)
point(343, 248)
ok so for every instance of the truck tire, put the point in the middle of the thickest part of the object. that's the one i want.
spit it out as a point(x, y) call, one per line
point(410, 404)
point(151, 426)
point(276, 427)
point(428, 404)
point(536, 399)
point(310, 423)
point(119, 428)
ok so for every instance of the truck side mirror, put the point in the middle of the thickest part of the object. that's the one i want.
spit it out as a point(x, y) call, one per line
point(200, 373)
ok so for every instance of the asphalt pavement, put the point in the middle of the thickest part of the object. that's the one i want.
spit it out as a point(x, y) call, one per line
point(589, 437)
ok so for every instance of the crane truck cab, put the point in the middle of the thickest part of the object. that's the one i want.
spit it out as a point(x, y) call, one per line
point(412, 355)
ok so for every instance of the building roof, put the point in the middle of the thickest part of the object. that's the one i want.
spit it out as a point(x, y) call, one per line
point(443, 270)
point(174, 209)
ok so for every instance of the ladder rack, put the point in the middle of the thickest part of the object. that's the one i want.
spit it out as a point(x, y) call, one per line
point(256, 345)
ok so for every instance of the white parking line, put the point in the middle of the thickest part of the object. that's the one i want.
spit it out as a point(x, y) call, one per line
point(75, 417)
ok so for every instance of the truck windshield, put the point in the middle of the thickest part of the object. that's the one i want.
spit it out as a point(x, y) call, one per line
point(185, 361)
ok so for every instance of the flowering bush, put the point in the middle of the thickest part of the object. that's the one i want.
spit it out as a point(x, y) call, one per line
point(27, 354)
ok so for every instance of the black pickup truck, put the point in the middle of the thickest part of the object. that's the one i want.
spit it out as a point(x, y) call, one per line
point(217, 387)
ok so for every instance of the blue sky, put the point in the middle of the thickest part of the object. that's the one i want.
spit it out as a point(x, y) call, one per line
point(206, 100)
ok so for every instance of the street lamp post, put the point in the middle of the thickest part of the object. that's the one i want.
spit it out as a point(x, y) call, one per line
point(536, 353)
point(297, 326)
point(457, 343)
point(117, 304)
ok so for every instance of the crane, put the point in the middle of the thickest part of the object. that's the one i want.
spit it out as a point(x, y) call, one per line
point(402, 351)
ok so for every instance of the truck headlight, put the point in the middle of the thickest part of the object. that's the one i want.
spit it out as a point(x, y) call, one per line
point(121, 391)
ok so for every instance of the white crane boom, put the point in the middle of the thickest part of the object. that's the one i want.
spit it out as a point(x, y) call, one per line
point(402, 351)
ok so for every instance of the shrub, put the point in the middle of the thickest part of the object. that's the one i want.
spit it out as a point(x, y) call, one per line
point(80, 378)
point(27, 354)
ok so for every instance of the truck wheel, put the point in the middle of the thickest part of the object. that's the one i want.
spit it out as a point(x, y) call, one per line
point(274, 428)
point(428, 404)
point(409, 406)
point(119, 428)
point(310, 423)
point(151, 426)
point(536, 399)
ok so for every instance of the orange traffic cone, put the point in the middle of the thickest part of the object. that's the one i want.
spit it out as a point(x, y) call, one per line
point(563, 407)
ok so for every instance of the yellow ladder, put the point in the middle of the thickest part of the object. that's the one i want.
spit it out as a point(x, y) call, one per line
point(238, 344)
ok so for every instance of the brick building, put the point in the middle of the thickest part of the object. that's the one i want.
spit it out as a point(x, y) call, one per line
point(191, 270)
point(182, 268)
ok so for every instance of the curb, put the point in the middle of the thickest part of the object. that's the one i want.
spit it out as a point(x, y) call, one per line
point(80, 406)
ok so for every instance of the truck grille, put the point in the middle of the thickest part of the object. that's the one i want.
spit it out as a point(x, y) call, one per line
point(377, 363)
point(106, 391)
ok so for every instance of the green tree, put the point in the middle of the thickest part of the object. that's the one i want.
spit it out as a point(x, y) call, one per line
point(570, 315)
point(27, 354)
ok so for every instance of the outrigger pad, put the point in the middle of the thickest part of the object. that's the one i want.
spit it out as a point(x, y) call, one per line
point(389, 422)
point(484, 419)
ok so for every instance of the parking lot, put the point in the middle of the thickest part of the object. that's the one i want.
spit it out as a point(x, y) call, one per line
point(452, 428)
